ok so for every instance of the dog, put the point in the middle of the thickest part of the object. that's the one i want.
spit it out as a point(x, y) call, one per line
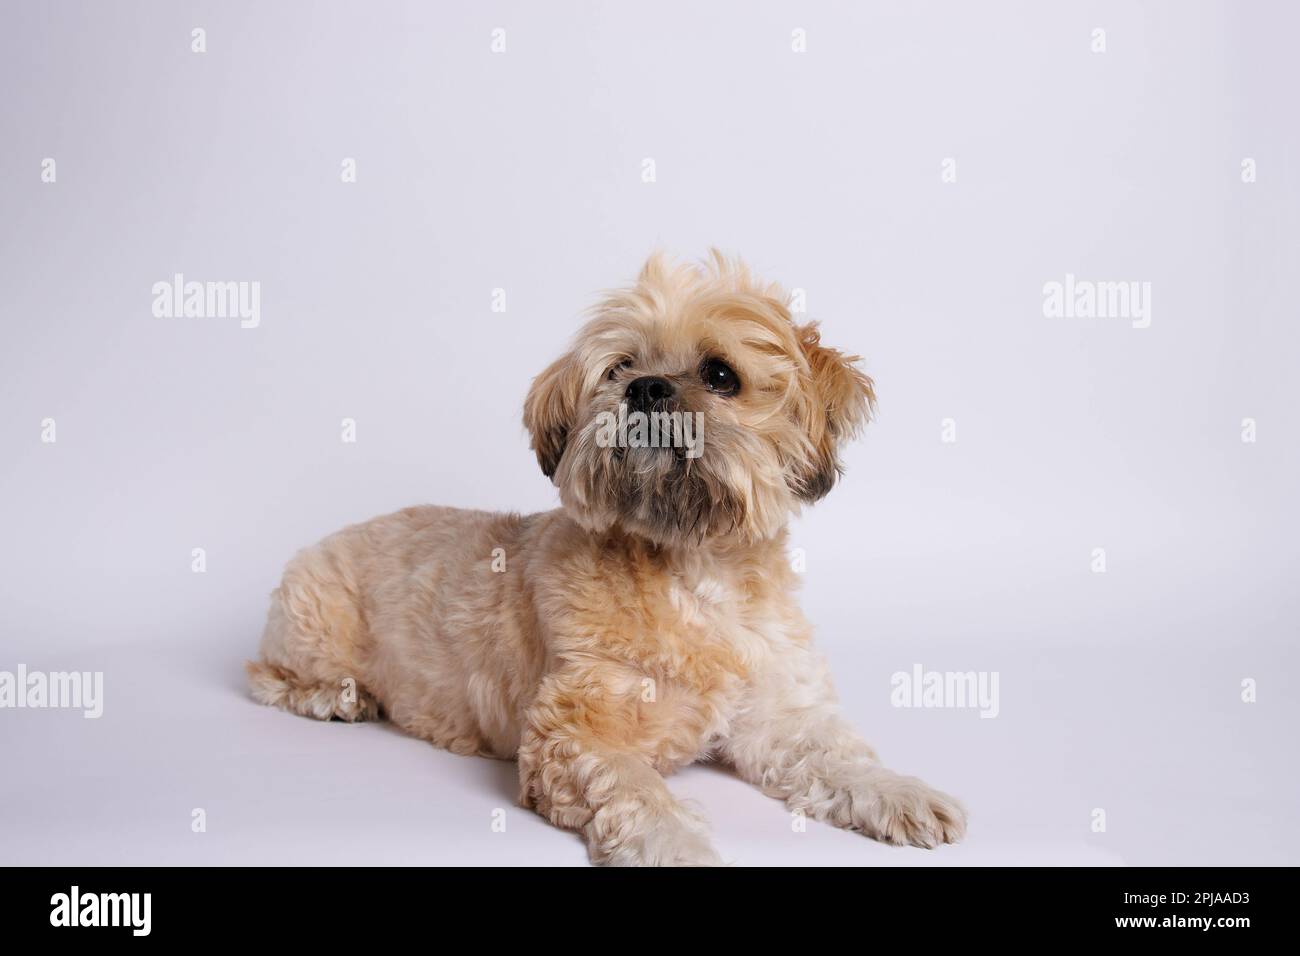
point(650, 621)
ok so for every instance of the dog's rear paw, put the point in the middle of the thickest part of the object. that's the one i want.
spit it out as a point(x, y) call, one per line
point(280, 687)
point(905, 811)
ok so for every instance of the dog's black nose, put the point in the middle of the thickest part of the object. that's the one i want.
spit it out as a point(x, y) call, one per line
point(648, 391)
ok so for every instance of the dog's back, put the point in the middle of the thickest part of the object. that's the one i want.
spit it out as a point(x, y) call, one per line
point(413, 603)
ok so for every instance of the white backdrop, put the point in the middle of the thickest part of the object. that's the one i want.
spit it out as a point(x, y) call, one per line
point(921, 171)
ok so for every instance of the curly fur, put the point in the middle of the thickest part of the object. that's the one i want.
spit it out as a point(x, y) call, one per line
point(648, 623)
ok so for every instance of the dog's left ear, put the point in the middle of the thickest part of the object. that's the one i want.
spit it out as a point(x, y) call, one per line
point(549, 411)
point(840, 401)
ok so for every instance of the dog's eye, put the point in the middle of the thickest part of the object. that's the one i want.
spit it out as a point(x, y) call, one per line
point(615, 369)
point(719, 377)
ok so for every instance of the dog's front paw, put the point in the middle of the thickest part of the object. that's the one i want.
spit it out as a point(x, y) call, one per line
point(658, 839)
point(905, 810)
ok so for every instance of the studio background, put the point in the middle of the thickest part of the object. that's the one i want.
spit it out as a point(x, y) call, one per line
point(524, 171)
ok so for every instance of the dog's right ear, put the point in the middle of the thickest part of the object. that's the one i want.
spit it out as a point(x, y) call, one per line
point(841, 399)
point(549, 411)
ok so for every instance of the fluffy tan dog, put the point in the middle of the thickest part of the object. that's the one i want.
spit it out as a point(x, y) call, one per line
point(648, 623)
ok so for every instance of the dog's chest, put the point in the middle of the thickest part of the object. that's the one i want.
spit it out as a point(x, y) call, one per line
point(700, 649)
point(675, 649)
point(700, 631)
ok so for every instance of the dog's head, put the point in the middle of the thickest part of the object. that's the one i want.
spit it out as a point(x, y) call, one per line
point(691, 406)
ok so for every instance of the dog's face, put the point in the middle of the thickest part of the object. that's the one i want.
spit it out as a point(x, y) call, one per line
point(691, 407)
